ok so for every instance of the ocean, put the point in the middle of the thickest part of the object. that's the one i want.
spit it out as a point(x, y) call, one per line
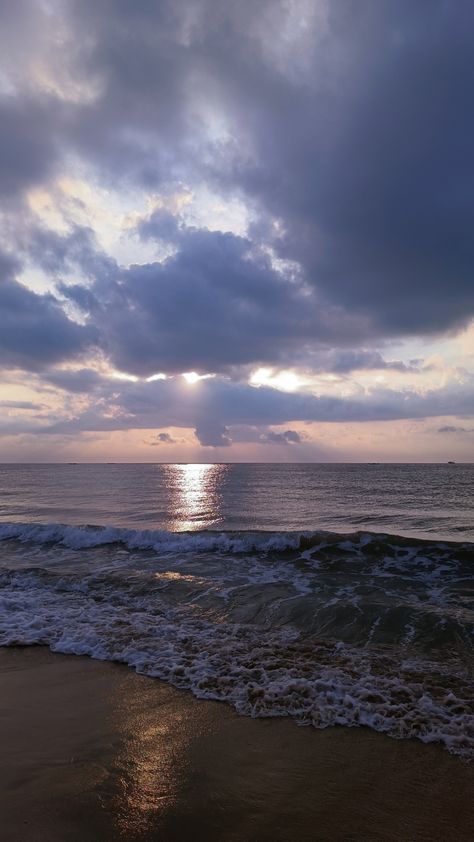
point(334, 594)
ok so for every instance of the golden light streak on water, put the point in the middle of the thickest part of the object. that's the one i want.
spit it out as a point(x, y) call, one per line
point(195, 495)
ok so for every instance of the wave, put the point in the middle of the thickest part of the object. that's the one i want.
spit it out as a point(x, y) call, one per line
point(260, 671)
point(84, 537)
point(329, 628)
point(88, 536)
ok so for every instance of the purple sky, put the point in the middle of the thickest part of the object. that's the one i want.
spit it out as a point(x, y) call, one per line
point(237, 231)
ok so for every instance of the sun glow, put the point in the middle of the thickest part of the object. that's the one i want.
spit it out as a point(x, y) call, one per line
point(122, 375)
point(156, 377)
point(286, 381)
point(193, 377)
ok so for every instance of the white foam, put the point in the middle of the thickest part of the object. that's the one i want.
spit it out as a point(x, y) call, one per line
point(260, 671)
point(84, 537)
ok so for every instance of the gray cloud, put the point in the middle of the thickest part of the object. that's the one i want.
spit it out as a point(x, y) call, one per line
point(363, 148)
point(20, 405)
point(288, 437)
point(216, 303)
point(83, 380)
point(35, 331)
point(210, 433)
point(357, 137)
point(27, 145)
point(346, 360)
point(214, 407)
point(165, 437)
point(368, 167)
point(162, 438)
point(451, 428)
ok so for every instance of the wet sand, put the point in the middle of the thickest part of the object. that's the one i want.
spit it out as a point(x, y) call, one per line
point(92, 751)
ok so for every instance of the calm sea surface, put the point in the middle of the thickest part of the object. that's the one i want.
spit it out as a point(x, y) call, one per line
point(419, 500)
point(335, 594)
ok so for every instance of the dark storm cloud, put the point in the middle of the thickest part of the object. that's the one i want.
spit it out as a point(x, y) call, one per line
point(365, 155)
point(365, 152)
point(369, 165)
point(217, 304)
point(214, 304)
point(27, 145)
point(358, 140)
point(57, 254)
point(34, 330)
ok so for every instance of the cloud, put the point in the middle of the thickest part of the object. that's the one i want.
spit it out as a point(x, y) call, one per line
point(4, 404)
point(165, 438)
point(360, 154)
point(57, 254)
point(347, 360)
point(365, 161)
point(214, 304)
point(449, 428)
point(214, 407)
point(288, 437)
point(35, 331)
point(354, 131)
point(160, 225)
point(84, 380)
point(345, 132)
point(27, 145)
point(210, 433)
point(162, 438)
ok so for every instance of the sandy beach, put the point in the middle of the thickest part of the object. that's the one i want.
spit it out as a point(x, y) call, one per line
point(90, 750)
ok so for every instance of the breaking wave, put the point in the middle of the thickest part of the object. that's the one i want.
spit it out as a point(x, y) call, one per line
point(161, 540)
point(331, 629)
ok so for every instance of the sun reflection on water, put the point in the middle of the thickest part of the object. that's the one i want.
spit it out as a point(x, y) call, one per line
point(195, 495)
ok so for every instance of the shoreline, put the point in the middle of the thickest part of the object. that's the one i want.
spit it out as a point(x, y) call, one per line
point(91, 750)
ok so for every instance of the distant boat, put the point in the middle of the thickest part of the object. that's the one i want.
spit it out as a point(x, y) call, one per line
point(451, 463)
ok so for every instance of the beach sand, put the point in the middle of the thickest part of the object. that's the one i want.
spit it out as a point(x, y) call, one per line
point(92, 751)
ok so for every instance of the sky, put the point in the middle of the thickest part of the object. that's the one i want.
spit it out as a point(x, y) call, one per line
point(236, 231)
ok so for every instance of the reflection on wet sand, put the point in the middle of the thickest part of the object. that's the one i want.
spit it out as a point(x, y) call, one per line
point(195, 495)
point(95, 752)
point(185, 769)
point(150, 764)
point(151, 770)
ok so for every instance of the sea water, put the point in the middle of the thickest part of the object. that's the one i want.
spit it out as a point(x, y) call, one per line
point(335, 594)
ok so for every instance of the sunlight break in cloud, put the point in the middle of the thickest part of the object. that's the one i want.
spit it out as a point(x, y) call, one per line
point(265, 203)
